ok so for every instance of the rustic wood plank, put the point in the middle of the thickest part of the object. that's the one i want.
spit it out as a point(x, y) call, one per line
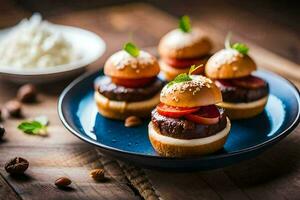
point(6, 192)
point(48, 164)
point(62, 154)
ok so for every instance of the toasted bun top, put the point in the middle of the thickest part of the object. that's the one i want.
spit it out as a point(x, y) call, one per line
point(200, 91)
point(177, 44)
point(229, 63)
point(123, 65)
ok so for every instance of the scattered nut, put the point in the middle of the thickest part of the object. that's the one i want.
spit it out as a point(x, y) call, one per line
point(97, 174)
point(27, 93)
point(132, 121)
point(14, 108)
point(17, 165)
point(2, 131)
point(63, 182)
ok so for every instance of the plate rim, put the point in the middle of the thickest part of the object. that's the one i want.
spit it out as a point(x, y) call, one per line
point(273, 140)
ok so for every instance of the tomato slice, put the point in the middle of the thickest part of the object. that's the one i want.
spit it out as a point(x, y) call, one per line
point(205, 115)
point(174, 112)
point(249, 82)
point(132, 83)
point(185, 63)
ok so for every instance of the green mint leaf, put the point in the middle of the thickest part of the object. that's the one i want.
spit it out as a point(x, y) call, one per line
point(194, 68)
point(33, 128)
point(180, 78)
point(185, 24)
point(240, 47)
point(131, 49)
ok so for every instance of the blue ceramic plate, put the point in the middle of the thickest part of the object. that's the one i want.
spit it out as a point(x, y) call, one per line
point(247, 138)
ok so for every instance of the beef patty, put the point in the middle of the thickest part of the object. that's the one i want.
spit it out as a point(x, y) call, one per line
point(184, 129)
point(110, 90)
point(236, 94)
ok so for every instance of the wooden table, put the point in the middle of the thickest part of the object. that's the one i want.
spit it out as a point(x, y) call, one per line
point(273, 175)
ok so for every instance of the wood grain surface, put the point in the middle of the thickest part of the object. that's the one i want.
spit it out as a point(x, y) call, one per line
point(273, 175)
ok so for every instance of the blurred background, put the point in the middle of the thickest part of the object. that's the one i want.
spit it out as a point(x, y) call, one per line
point(274, 25)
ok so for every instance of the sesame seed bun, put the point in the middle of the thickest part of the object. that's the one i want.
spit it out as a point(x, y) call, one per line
point(121, 109)
point(244, 110)
point(200, 91)
point(177, 44)
point(123, 65)
point(173, 147)
point(229, 63)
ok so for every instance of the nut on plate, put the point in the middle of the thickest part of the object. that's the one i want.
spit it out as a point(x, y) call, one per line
point(14, 108)
point(17, 165)
point(132, 121)
point(63, 182)
point(98, 174)
point(27, 93)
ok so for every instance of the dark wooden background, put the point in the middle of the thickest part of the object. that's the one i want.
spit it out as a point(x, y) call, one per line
point(270, 28)
point(273, 25)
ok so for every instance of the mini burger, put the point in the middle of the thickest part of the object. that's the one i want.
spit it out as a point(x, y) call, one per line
point(244, 94)
point(187, 122)
point(183, 47)
point(130, 85)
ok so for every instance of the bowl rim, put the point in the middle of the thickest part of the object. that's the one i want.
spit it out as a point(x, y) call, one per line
point(112, 150)
point(75, 65)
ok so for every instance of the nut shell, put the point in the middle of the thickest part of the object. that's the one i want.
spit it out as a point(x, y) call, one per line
point(63, 182)
point(27, 93)
point(97, 174)
point(16, 165)
point(14, 108)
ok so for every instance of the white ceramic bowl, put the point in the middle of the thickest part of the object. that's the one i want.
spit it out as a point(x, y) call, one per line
point(90, 46)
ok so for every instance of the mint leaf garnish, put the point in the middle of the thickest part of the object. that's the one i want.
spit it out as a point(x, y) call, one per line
point(33, 127)
point(180, 78)
point(131, 49)
point(185, 24)
point(240, 47)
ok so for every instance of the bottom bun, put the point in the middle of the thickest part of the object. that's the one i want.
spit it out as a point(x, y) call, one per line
point(244, 110)
point(173, 147)
point(121, 109)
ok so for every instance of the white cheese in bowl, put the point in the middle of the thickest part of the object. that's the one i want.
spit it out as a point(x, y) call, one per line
point(35, 43)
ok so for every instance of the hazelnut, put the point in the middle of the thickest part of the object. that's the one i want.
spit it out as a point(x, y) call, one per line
point(2, 131)
point(27, 93)
point(63, 182)
point(97, 174)
point(132, 121)
point(16, 165)
point(14, 108)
